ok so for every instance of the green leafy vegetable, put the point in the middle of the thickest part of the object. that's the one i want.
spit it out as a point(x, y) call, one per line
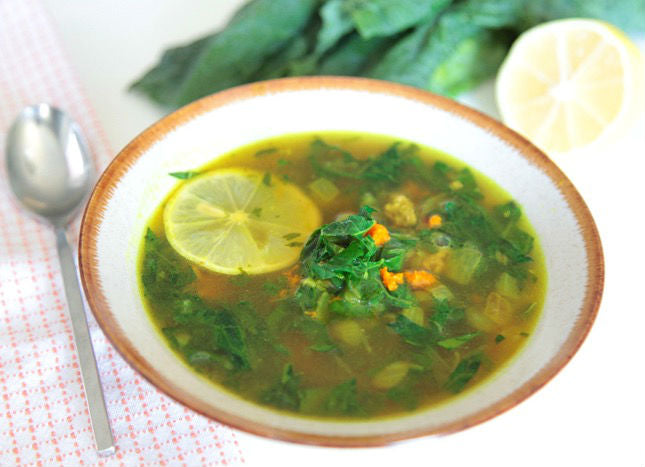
point(463, 373)
point(228, 338)
point(386, 17)
point(456, 342)
point(412, 333)
point(339, 259)
point(441, 45)
point(258, 30)
point(323, 347)
point(163, 271)
point(183, 175)
point(343, 399)
point(285, 394)
point(266, 152)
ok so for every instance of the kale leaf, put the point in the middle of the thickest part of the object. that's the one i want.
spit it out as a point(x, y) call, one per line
point(343, 399)
point(463, 373)
point(339, 260)
point(284, 394)
point(163, 272)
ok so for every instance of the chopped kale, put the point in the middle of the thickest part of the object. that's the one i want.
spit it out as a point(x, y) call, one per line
point(163, 274)
point(456, 342)
point(284, 394)
point(343, 399)
point(184, 175)
point(463, 373)
point(266, 152)
point(412, 333)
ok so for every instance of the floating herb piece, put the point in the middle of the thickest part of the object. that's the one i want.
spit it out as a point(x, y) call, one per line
point(184, 175)
point(463, 373)
point(456, 342)
point(266, 152)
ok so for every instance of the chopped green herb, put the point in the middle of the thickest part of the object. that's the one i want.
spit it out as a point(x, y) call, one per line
point(528, 311)
point(240, 280)
point(343, 399)
point(456, 342)
point(412, 333)
point(463, 373)
point(323, 347)
point(291, 236)
point(256, 212)
point(294, 244)
point(267, 179)
point(184, 175)
point(273, 288)
point(499, 338)
point(284, 394)
point(266, 152)
point(283, 162)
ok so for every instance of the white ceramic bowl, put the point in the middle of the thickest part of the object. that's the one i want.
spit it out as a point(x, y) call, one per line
point(136, 182)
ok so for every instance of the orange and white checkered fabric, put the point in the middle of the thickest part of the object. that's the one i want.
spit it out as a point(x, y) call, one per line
point(43, 416)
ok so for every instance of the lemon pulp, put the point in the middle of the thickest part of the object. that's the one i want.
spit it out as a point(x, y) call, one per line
point(566, 84)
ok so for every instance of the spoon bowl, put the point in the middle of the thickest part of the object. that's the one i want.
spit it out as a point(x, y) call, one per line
point(48, 163)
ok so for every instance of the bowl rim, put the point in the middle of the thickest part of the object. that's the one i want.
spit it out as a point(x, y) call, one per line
point(119, 166)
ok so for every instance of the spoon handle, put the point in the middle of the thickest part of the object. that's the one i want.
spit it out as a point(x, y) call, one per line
point(89, 372)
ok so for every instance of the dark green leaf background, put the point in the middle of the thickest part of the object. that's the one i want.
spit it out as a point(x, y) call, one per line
point(445, 46)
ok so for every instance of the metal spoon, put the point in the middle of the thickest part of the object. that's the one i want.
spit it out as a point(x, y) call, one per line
point(50, 173)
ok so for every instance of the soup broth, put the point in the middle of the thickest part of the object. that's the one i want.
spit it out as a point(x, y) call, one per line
point(423, 280)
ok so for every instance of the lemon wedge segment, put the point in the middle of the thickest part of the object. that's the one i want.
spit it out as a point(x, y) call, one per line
point(569, 84)
point(235, 221)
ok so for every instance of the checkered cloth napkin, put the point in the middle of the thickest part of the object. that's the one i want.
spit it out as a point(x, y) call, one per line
point(44, 420)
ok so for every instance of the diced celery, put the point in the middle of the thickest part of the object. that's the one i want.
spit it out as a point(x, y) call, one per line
point(324, 189)
point(414, 314)
point(312, 398)
point(322, 307)
point(480, 321)
point(182, 338)
point(430, 204)
point(462, 264)
point(498, 309)
point(441, 292)
point(368, 199)
point(507, 286)
point(393, 374)
point(350, 332)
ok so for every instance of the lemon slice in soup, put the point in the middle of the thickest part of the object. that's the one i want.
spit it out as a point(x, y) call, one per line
point(236, 221)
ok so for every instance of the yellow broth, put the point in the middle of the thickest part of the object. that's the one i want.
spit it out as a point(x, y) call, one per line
point(372, 365)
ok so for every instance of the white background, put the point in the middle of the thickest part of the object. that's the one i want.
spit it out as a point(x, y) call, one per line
point(591, 414)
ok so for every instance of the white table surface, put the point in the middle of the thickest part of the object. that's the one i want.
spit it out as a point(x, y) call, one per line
point(591, 414)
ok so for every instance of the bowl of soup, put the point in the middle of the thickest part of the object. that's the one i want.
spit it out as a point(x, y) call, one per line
point(340, 261)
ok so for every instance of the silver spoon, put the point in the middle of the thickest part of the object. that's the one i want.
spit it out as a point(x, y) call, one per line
point(50, 173)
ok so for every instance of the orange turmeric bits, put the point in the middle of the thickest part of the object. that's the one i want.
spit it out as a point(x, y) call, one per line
point(435, 221)
point(420, 279)
point(391, 280)
point(379, 234)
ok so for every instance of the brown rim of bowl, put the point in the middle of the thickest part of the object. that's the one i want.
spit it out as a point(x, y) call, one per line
point(93, 217)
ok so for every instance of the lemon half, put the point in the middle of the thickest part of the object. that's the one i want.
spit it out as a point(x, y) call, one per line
point(568, 84)
point(235, 221)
